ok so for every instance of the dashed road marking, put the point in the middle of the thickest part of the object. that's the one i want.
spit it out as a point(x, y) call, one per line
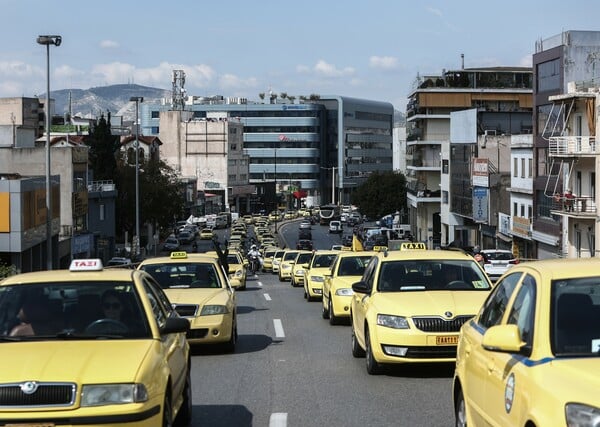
point(259, 284)
point(278, 328)
point(267, 297)
point(278, 419)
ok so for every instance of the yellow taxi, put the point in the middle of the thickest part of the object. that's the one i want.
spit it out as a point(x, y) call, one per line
point(410, 304)
point(268, 258)
point(237, 270)
point(347, 268)
point(92, 346)
point(277, 261)
point(299, 267)
point(287, 261)
point(314, 276)
point(200, 291)
point(206, 234)
point(531, 356)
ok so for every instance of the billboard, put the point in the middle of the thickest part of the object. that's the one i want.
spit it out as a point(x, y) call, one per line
point(463, 126)
point(480, 204)
point(480, 175)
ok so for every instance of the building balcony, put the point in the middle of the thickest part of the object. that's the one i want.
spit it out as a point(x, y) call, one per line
point(579, 207)
point(568, 146)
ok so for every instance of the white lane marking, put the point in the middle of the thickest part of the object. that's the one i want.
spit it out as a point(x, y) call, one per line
point(278, 328)
point(278, 419)
point(267, 297)
point(259, 284)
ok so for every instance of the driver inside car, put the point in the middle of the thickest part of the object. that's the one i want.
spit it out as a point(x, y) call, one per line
point(112, 306)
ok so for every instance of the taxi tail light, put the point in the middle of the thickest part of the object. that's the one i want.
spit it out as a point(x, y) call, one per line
point(513, 261)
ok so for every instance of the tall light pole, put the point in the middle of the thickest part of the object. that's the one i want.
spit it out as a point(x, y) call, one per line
point(48, 40)
point(137, 100)
point(276, 199)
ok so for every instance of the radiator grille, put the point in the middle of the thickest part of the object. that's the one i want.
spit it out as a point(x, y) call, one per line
point(44, 394)
point(439, 324)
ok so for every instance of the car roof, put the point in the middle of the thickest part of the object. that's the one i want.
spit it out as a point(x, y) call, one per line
point(562, 268)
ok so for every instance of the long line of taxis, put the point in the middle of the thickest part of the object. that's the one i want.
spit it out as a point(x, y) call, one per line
point(314, 275)
point(92, 346)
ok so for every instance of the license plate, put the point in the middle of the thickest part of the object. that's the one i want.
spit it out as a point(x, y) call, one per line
point(446, 340)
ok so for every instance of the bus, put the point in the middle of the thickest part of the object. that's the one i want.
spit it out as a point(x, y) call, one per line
point(328, 213)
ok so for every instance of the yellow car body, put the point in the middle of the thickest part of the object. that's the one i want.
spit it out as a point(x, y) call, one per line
point(287, 262)
point(347, 269)
point(69, 364)
point(277, 261)
point(206, 234)
point(314, 276)
point(237, 270)
point(208, 301)
point(410, 305)
point(268, 259)
point(531, 355)
point(299, 268)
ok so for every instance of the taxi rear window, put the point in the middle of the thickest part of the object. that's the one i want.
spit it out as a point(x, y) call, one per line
point(184, 275)
point(431, 275)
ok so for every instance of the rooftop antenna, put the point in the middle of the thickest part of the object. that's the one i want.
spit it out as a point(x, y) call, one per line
point(462, 60)
point(178, 100)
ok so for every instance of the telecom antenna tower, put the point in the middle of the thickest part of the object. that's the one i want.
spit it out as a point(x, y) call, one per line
point(178, 90)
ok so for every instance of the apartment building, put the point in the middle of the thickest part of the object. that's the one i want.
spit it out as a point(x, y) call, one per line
point(441, 194)
point(565, 66)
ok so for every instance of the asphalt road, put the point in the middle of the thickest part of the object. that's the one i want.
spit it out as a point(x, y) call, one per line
point(291, 368)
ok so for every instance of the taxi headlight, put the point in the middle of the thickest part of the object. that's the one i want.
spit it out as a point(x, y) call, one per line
point(210, 310)
point(239, 273)
point(299, 272)
point(317, 278)
point(286, 266)
point(111, 394)
point(396, 322)
point(579, 415)
point(345, 292)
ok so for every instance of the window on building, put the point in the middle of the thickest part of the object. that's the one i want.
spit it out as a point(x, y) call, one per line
point(515, 209)
point(593, 185)
point(515, 167)
point(233, 147)
point(523, 168)
point(445, 166)
point(444, 197)
point(522, 211)
point(548, 75)
point(101, 212)
point(155, 130)
point(155, 114)
point(578, 243)
point(232, 177)
point(530, 168)
point(529, 211)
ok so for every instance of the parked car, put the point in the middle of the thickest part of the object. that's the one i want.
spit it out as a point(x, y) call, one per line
point(186, 237)
point(305, 224)
point(118, 261)
point(171, 244)
point(497, 262)
point(304, 244)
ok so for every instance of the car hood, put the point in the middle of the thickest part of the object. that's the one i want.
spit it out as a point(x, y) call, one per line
point(430, 303)
point(74, 360)
point(345, 281)
point(193, 296)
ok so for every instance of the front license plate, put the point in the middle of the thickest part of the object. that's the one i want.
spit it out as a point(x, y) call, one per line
point(447, 340)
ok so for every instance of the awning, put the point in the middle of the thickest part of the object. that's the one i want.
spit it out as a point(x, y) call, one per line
point(503, 237)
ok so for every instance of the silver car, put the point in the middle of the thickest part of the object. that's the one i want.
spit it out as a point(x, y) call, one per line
point(497, 262)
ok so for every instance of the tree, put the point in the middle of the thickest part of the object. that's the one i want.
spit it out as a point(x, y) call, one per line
point(161, 197)
point(103, 148)
point(383, 193)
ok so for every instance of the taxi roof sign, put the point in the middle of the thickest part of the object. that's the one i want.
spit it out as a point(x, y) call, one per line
point(94, 264)
point(412, 246)
point(380, 248)
point(179, 255)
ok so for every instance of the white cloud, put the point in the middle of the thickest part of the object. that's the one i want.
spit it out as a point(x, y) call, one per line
point(434, 11)
point(303, 69)
point(20, 69)
point(67, 72)
point(383, 62)
point(526, 61)
point(113, 73)
point(325, 69)
point(109, 44)
point(230, 81)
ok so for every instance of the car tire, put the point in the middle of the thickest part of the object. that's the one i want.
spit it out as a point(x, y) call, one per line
point(184, 416)
point(357, 350)
point(460, 412)
point(324, 311)
point(333, 319)
point(307, 295)
point(167, 412)
point(230, 345)
point(373, 367)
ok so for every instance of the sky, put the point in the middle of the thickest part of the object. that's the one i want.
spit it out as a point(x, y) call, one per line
point(372, 49)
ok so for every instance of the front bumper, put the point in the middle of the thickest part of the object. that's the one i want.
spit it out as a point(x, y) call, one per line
point(210, 329)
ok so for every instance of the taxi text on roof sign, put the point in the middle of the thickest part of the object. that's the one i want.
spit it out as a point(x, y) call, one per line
point(179, 255)
point(412, 245)
point(86, 265)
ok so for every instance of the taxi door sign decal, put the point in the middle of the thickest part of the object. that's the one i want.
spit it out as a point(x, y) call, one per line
point(509, 393)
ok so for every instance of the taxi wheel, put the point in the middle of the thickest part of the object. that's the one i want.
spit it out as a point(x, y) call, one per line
point(373, 367)
point(460, 413)
point(167, 418)
point(357, 350)
point(324, 311)
point(184, 416)
point(230, 345)
point(333, 319)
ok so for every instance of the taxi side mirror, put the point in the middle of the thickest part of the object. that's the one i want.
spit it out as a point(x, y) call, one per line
point(361, 287)
point(503, 338)
point(175, 325)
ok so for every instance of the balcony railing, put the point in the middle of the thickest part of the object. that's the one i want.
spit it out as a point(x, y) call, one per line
point(575, 205)
point(572, 145)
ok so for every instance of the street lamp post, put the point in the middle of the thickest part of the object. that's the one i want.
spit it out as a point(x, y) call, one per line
point(137, 100)
point(48, 40)
point(276, 199)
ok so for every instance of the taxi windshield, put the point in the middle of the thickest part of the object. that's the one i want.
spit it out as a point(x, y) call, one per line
point(431, 275)
point(184, 275)
point(575, 317)
point(72, 310)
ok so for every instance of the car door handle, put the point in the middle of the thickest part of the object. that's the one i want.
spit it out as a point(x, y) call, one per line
point(490, 366)
point(467, 350)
